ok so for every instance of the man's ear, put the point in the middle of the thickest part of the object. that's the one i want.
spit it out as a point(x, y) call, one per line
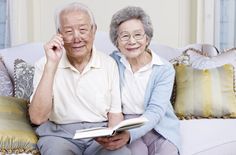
point(94, 28)
point(58, 31)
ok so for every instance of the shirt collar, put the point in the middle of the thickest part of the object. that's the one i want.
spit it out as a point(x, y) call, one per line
point(94, 61)
point(156, 60)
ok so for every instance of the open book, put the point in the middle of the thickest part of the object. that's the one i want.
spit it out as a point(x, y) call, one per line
point(105, 131)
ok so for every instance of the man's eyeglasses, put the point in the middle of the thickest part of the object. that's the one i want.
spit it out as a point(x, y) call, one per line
point(70, 34)
point(125, 36)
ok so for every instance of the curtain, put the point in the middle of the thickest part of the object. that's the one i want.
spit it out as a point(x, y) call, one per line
point(216, 23)
point(205, 21)
point(225, 25)
point(7, 26)
point(19, 18)
point(4, 24)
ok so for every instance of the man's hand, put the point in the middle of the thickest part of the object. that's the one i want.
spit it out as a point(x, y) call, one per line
point(41, 103)
point(115, 142)
point(54, 49)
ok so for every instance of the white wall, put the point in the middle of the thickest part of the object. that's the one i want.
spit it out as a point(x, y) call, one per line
point(171, 18)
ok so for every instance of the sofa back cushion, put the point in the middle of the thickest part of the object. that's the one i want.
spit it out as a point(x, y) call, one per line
point(30, 52)
point(205, 49)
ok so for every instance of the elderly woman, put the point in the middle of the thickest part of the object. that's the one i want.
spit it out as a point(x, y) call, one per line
point(146, 86)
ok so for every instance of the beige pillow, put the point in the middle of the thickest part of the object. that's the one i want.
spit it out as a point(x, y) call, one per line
point(16, 134)
point(204, 93)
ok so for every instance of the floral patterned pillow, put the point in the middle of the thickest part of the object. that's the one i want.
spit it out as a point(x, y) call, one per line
point(6, 86)
point(23, 79)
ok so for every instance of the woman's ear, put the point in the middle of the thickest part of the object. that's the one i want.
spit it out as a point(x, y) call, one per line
point(148, 41)
point(117, 44)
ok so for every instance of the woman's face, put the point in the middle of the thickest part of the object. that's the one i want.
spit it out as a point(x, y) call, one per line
point(132, 40)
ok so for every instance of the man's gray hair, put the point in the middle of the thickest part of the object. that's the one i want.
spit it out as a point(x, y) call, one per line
point(75, 6)
point(127, 13)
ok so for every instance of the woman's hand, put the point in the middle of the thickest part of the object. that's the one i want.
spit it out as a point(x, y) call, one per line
point(115, 142)
point(54, 49)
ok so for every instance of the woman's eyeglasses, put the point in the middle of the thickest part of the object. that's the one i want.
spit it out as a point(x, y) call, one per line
point(125, 36)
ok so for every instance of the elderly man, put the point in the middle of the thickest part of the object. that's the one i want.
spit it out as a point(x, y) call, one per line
point(76, 87)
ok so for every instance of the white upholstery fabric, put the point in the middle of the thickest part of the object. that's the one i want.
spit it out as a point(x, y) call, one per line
point(210, 49)
point(208, 137)
point(28, 52)
point(205, 62)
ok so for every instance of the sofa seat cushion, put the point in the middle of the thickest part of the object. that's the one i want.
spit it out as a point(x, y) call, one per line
point(208, 136)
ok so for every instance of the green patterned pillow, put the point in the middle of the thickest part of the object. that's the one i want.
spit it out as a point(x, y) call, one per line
point(205, 93)
point(16, 134)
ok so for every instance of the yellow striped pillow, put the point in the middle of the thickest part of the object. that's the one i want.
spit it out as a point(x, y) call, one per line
point(16, 134)
point(205, 93)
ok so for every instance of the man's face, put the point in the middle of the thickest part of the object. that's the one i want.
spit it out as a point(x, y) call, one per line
point(78, 33)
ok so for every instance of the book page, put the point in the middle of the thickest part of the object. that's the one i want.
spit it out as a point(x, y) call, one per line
point(130, 123)
point(89, 129)
point(93, 132)
point(104, 131)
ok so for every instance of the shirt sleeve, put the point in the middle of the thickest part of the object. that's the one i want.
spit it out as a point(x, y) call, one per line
point(115, 89)
point(38, 71)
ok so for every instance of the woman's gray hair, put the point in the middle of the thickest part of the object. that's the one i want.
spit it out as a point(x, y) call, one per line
point(75, 6)
point(127, 13)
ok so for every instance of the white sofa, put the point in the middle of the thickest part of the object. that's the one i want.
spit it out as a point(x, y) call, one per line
point(199, 136)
